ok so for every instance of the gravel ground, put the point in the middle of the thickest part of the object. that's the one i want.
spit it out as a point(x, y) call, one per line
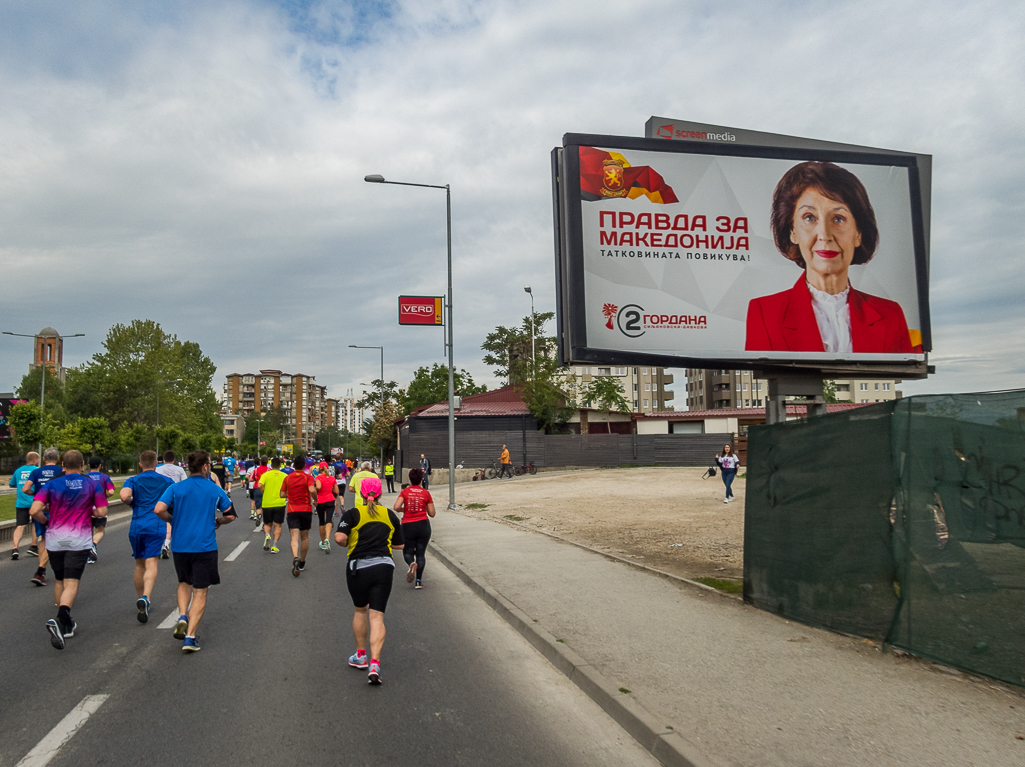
point(638, 513)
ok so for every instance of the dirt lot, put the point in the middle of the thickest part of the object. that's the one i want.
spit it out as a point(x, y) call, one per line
point(636, 513)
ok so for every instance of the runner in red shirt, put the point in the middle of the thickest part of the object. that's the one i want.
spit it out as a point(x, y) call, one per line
point(327, 500)
point(416, 505)
point(299, 490)
point(257, 494)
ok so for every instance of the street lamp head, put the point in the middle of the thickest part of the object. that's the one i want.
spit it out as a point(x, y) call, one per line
point(374, 178)
point(353, 346)
point(528, 290)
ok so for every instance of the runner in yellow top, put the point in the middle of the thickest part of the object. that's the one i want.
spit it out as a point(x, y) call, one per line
point(506, 463)
point(273, 504)
point(389, 475)
point(357, 481)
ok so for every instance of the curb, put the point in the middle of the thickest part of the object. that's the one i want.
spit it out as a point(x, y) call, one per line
point(666, 745)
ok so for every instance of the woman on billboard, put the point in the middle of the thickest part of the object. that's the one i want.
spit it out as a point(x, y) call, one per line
point(823, 221)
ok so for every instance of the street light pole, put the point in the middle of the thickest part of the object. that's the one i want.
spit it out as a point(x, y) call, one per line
point(42, 388)
point(532, 333)
point(381, 412)
point(378, 179)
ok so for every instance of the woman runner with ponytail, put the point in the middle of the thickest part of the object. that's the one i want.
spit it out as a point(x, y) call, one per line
point(416, 505)
point(370, 532)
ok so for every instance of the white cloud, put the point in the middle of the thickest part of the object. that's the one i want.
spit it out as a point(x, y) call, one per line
point(205, 169)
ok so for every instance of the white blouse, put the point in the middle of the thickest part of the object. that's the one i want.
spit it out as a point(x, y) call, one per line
point(833, 315)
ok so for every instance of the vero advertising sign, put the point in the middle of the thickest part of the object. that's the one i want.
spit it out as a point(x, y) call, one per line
point(420, 310)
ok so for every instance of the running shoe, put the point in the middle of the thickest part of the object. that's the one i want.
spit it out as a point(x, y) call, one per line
point(358, 661)
point(726, 500)
point(33, 550)
point(191, 644)
point(274, 549)
point(69, 631)
point(327, 547)
point(14, 553)
point(91, 558)
point(302, 565)
point(374, 676)
point(295, 567)
point(142, 605)
point(181, 627)
point(266, 542)
point(321, 544)
point(411, 573)
point(56, 635)
point(418, 585)
point(165, 551)
point(39, 579)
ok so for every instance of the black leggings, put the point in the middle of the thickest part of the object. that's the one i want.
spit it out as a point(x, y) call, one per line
point(416, 535)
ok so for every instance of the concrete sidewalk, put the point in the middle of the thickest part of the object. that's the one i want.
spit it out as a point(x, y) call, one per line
point(741, 686)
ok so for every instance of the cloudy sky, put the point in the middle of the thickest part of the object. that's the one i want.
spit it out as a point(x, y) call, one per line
point(201, 163)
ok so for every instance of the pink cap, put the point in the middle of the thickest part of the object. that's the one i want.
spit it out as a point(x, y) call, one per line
point(370, 487)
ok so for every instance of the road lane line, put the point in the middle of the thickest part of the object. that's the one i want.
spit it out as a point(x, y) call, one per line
point(258, 528)
point(238, 550)
point(48, 747)
point(170, 620)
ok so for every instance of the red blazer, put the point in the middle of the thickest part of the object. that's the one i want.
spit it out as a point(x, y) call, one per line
point(785, 322)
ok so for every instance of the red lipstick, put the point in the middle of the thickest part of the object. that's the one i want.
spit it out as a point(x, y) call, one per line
point(827, 253)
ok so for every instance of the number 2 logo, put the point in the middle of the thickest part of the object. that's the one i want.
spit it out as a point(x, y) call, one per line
point(629, 320)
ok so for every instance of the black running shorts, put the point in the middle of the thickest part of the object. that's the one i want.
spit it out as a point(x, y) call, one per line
point(299, 520)
point(68, 564)
point(325, 512)
point(21, 515)
point(99, 521)
point(370, 585)
point(197, 568)
point(275, 514)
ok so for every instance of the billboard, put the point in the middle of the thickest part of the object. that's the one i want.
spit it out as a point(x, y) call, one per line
point(6, 403)
point(720, 254)
point(420, 310)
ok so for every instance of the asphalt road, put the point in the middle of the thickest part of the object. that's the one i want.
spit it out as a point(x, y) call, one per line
point(271, 685)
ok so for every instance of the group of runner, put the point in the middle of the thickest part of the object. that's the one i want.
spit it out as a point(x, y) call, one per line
point(180, 513)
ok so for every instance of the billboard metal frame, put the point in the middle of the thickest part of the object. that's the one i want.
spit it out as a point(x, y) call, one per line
point(439, 307)
point(569, 255)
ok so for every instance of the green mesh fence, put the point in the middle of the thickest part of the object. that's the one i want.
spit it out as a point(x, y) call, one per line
point(903, 521)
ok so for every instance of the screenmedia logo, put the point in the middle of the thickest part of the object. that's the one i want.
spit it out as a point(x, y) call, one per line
point(633, 321)
point(666, 131)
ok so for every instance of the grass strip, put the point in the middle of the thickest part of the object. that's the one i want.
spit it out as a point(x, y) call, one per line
point(730, 587)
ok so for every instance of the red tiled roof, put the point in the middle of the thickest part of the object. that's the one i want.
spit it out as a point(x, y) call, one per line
point(743, 412)
point(505, 401)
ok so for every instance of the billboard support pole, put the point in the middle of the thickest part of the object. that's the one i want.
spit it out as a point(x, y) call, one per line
point(781, 387)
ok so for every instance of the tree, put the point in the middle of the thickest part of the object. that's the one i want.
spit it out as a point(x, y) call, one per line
point(382, 428)
point(546, 396)
point(604, 391)
point(31, 387)
point(29, 426)
point(93, 433)
point(829, 391)
point(430, 386)
point(372, 397)
point(139, 360)
point(509, 349)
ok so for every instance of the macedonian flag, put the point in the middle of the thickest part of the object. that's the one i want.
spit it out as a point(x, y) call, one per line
point(605, 175)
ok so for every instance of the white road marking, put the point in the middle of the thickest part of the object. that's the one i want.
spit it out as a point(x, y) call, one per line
point(170, 620)
point(48, 747)
point(258, 528)
point(238, 550)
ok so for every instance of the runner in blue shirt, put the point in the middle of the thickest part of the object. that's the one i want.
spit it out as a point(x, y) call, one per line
point(99, 523)
point(191, 507)
point(23, 503)
point(147, 530)
point(39, 477)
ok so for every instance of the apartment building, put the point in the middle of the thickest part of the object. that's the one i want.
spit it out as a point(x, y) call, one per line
point(644, 388)
point(714, 389)
point(350, 416)
point(305, 406)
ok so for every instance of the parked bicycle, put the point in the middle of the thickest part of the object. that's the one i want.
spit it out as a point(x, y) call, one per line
point(527, 467)
point(491, 472)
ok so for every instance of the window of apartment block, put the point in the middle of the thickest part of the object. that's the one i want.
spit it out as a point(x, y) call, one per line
point(620, 371)
point(647, 387)
point(645, 403)
point(877, 387)
point(745, 386)
point(604, 371)
point(863, 387)
point(644, 371)
point(886, 387)
point(635, 387)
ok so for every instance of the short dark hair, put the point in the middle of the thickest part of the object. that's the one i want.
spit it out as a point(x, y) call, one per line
point(168, 456)
point(148, 458)
point(833, 182)
point(415, 476)
point(196, 460)
point(298, 462)
point(263, 460)
point(95, 462)
point(72, 459)
point(275, 463)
